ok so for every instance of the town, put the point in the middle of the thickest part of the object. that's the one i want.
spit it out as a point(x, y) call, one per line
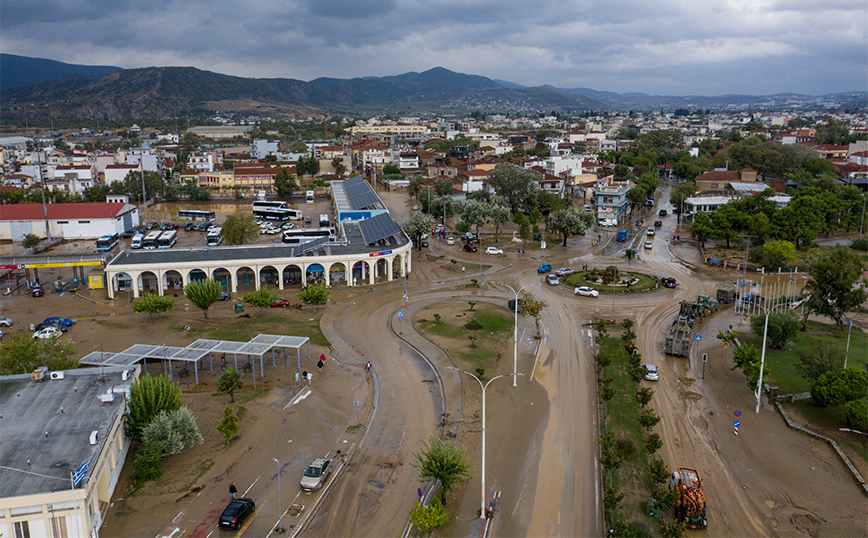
point(675, 300)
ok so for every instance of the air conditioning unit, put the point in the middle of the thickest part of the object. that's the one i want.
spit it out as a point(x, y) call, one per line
point(125, 375)
point(56, 375)
point(94, 437)
point(107, 398)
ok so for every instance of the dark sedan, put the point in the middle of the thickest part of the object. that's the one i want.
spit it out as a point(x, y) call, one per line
point(235, 513)
point(471, 248)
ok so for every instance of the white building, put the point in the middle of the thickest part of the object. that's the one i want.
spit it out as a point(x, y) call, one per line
point(69, 221)
point(263, 148)
point(118, 172)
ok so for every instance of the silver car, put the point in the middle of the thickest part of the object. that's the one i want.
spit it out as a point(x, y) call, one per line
point(316, 474)
point(5, 322)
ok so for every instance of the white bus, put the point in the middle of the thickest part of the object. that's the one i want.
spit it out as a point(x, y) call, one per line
point(137, 241)
point(168, 239)
point(106, 243)
point(300, 236)
point(150, 240)
point(192, 214)
point(308, 197)
point(275, 210)
point(213, 239)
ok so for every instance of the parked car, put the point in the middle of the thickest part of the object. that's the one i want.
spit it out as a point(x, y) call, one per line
point(494, 250)
point(47, 332)
point(470, 238)
point(586, 291)
point(450, 240)
point(658, 223)
point(662, 213)
point(235, 513)
point(471, 248)
point(316, 474)
point(565, 271)
point(287, 226)
point(190, 227)
point(56, 319)
point(552, 280)
point(5, 322)
point(651, 373)
point(280, 303)
point(544, 268)
point(45, 325)
point(417, 207)
point(511, 305)
point(307, 220)
point(37, 291)
point(650, 232)
point(668, 282)
point(648, 244)
point(129, 234)
point(225, 296)
point(424, 244)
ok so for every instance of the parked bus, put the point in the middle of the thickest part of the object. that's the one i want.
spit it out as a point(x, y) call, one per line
point(308, 197)
point(213, 239)
point(150, 240)
point(275, 210)
point(299, 236)
point(106, 243)
point(137, 241)
point(324, 221)
point(168, 239)
point(190, 214)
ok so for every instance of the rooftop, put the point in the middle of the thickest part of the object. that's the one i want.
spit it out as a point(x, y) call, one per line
point(45, 426)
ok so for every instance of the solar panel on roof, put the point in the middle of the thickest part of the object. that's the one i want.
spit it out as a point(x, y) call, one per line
point(310, 246)
point(378, 228)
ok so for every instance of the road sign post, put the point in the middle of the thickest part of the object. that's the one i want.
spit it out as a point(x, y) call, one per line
point(704, 360)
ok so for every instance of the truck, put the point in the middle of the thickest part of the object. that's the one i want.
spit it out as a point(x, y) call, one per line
point(678, 339)
point(690, 506)
point(622, 235)
point(725, 296)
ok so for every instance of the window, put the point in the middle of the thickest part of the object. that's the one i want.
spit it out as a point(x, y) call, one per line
point(22, 529)
point(58, 525)
point(63, 222)
point(84, 222)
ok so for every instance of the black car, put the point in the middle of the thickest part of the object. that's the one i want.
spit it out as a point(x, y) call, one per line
point(658, 223)
point(37, 291)
point(662, 213)
point(235, 513)
point(190, 226)
point(128, 234)
point(668, 282)
point(56, 324)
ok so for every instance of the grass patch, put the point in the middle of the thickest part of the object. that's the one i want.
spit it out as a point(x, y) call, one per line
point(111, 324)
point(783, 361)
point(202, 468)
point(354, 428)
point(829, 419)
point(245, 397)
point(646, 283)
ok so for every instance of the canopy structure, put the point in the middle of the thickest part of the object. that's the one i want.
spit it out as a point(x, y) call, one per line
point(195, 352)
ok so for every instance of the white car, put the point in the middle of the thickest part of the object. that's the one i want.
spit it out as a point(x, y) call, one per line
point(552, 280)
point(48, 332)
point(648, 244)
point(586, 291)
point(651, 373)
point(494, 250)
point(564, 271)
point(450, 240)
point(5, 322)
point(288, 226)
point(650, 232)
point(416, 208)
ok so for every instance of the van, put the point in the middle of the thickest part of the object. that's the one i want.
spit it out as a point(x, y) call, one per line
point(324, 220)
point(622, 235)
point(137, 241)
point(586, 207)
point(308, 197)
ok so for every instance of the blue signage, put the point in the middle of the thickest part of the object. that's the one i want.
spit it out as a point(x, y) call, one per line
point(698, 337)
point(737, 423)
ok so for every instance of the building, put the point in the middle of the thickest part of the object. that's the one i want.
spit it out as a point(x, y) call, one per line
point(261, 149)
point(397, 131)
point(254, 176)
point(222, 131)
point(62, 448)
point(118, 172)
point(611, 202)
point(68, 221)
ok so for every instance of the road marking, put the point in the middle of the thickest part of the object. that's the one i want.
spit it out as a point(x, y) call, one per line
point(299, 397)
point(251, 486)
point(247, 523)
point(209, 534)
point(175, 519)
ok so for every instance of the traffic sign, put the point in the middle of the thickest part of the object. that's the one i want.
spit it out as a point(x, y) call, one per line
point(737, 413)
point(737, 423)
point(705, 357)
point(698, 337)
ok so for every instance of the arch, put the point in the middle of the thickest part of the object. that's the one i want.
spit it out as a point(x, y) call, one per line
point(381, 270)
point(196, 275)
point(363, 273)
point(314, 273)
point(148, 281)
point(268, 276)
point(172, 280)
point(122, 282)
point(337, 273)
point(245, 277)
point(223, 276)
point(291, 275)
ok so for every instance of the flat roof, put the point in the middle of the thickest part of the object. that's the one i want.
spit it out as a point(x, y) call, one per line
point(46, 426)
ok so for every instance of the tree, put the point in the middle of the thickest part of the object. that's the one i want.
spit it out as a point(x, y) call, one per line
point(418, 224)
point(775, 254)
point(782, 327)
point(856, 412)
point(517, 185)
point(95, 194)
point(30, 240)
point(815, 359)
point(315, 294)
point(239, 228)
point(175, 429)
point(153, 304)
point(229, 382)
point(132, 184)
point(428, 518)
point(262, 298)
point(146, 466)
point(391, 169)
point(569, 222)
point(473, 214)
point(148, 396)
point(284, 183)
point(443, 461)
point(443, 186)
point(836, 286)
point(228, 426)
point(339, 166)
point(203, 293)
point(531, 306)
point(22, 354)
point(499, 216)
point(747, 358)
point(415, 186)
point(836, 388)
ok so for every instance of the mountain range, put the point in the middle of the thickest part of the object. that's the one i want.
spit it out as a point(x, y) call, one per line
point(80, 91)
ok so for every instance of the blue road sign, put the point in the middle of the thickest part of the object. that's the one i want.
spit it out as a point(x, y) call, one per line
point(737, 423)
point(737, 413)
point(698, 337)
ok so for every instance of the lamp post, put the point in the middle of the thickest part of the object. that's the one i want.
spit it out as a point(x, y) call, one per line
point(483, 387)
point(759, 383)
point(279, 505)
point(515, 331)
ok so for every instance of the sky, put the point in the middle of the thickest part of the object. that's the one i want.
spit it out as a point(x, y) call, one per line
point(665, 47)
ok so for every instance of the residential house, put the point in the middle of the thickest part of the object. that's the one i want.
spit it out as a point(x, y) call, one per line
point(611, 202)
point(118, 172)
point(260, 149)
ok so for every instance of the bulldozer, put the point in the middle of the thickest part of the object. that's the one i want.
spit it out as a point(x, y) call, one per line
point(690, 507)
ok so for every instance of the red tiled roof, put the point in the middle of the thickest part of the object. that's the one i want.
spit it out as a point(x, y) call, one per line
point(60, 211)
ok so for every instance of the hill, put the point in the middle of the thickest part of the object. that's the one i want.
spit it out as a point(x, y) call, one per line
point(20, 71)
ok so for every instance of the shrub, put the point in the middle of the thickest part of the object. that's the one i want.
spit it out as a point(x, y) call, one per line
point(473, 325)
point(625, 449)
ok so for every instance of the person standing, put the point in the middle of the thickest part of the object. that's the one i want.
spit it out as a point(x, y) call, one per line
point(304, 376)
point(232, 490)
point(368, 368)
point(309, 378)
point(321, 362)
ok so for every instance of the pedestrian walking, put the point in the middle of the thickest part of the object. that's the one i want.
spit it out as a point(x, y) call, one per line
point(232, 490)
point(309, 378)
point(321, 362)
point(304, 376)
point(368, 368)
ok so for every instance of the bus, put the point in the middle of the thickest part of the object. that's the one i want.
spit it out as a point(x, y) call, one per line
point(308, 197)
point(106, 243)
point(275, 210)
point(137, 241)
point(300, 236)
point(190, 214)
point(150, 240)
point(213, 239)
point(168, 239)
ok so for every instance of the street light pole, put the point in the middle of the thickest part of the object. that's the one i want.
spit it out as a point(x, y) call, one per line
point(515, 331)
point(483, 387)
point(279, 505)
